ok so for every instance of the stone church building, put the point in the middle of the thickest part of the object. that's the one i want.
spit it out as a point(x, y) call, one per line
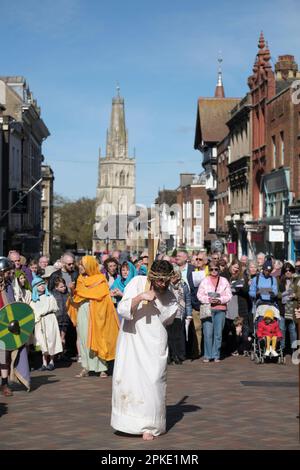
point(115, 197)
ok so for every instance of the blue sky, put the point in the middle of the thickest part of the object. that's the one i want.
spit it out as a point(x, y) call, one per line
point(164, 55)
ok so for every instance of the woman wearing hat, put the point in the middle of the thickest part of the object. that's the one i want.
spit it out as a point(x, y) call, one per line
point(46, 330)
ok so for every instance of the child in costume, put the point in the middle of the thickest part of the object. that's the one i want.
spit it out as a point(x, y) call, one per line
point(46, 332)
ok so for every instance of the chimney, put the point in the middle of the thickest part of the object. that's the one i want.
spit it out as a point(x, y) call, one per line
point(286, 68)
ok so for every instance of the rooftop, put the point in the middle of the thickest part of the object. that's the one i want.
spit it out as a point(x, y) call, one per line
point(212, 115)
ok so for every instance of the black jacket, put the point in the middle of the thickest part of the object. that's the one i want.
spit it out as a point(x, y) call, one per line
point(193, 289)
point(244, 303)
point(51, 283)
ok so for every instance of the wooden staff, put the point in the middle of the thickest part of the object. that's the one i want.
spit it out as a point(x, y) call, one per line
point(152, 251)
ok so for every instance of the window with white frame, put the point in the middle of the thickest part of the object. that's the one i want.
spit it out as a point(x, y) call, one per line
point(274, 151)
point(188, 235)
point(197, 236)
point(43, 194)
point(275, 204)
point(282, 148)
point(197, 208)
point(188, 210)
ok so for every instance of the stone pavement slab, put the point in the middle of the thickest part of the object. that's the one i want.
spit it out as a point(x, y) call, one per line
point(234, 404)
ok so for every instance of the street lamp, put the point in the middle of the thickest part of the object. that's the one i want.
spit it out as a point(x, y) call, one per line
point(107, 244)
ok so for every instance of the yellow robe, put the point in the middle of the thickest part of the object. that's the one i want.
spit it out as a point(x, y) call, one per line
point(103, 318)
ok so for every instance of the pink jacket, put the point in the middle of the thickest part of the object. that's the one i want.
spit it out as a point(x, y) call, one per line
point(223, 289)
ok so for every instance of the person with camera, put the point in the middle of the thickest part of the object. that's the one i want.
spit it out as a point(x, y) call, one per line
point(214, 293)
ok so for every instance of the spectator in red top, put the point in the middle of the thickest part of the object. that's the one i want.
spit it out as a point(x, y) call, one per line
point(268, 330)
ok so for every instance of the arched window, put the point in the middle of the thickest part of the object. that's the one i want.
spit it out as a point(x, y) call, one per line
point(127, 179)
point(122, 178)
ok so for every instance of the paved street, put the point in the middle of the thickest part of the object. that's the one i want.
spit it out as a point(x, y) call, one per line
point(230, 405)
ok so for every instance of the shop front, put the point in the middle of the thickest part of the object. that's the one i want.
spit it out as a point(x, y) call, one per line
point(275, 187)
point(294, 223)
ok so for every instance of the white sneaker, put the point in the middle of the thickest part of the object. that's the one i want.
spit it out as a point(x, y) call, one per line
point(267, 353)
point(274, 354)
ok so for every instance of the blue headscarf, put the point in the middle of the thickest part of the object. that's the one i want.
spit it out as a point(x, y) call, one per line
point(121, 283)
point(143, 270)
point(37, 281)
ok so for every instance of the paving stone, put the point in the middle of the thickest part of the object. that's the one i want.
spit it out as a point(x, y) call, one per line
point(234, 404)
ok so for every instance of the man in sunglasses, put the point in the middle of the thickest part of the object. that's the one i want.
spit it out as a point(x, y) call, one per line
point(199, 261)
point(68, 272)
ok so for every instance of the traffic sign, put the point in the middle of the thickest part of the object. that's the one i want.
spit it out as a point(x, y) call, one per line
point(294, 218)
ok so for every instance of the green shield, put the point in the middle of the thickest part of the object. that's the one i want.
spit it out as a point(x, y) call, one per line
point(16, 325)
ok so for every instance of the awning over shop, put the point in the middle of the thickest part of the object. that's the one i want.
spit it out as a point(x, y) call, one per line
point(277, 181)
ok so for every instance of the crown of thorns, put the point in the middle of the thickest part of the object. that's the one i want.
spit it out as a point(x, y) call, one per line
point(155, 276)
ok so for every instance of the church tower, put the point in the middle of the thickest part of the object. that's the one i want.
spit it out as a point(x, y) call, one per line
point(116, 179)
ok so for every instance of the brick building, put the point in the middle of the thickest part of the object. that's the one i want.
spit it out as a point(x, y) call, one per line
point(211, 128)
point(166, 205)
point(193, 204)
point(240, 174)
point(223, 194)
point(23, 132)
point(262, 88)
point(281, 183)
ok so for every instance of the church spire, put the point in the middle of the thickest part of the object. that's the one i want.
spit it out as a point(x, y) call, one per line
point(117, 139)
point(219, 91)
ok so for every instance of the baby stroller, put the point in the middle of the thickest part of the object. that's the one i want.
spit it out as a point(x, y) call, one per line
point(258, 353)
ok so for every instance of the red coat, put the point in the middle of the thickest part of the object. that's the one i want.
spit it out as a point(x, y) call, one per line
point(271, 329)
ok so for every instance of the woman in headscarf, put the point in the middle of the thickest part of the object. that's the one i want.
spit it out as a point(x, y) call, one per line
point(128, 271)
point(92, 311)
point(21, 287)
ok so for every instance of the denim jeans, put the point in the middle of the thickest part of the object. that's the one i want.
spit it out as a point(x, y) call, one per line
point(212, 332)
point(289, 325)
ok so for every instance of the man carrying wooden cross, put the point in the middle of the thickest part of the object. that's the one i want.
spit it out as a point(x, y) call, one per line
point(139, 379)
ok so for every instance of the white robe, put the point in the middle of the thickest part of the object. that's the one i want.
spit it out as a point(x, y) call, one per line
point(139, 379)
point(46, 330)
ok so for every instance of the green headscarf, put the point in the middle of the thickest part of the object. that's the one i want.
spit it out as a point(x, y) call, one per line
point(19, 273)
